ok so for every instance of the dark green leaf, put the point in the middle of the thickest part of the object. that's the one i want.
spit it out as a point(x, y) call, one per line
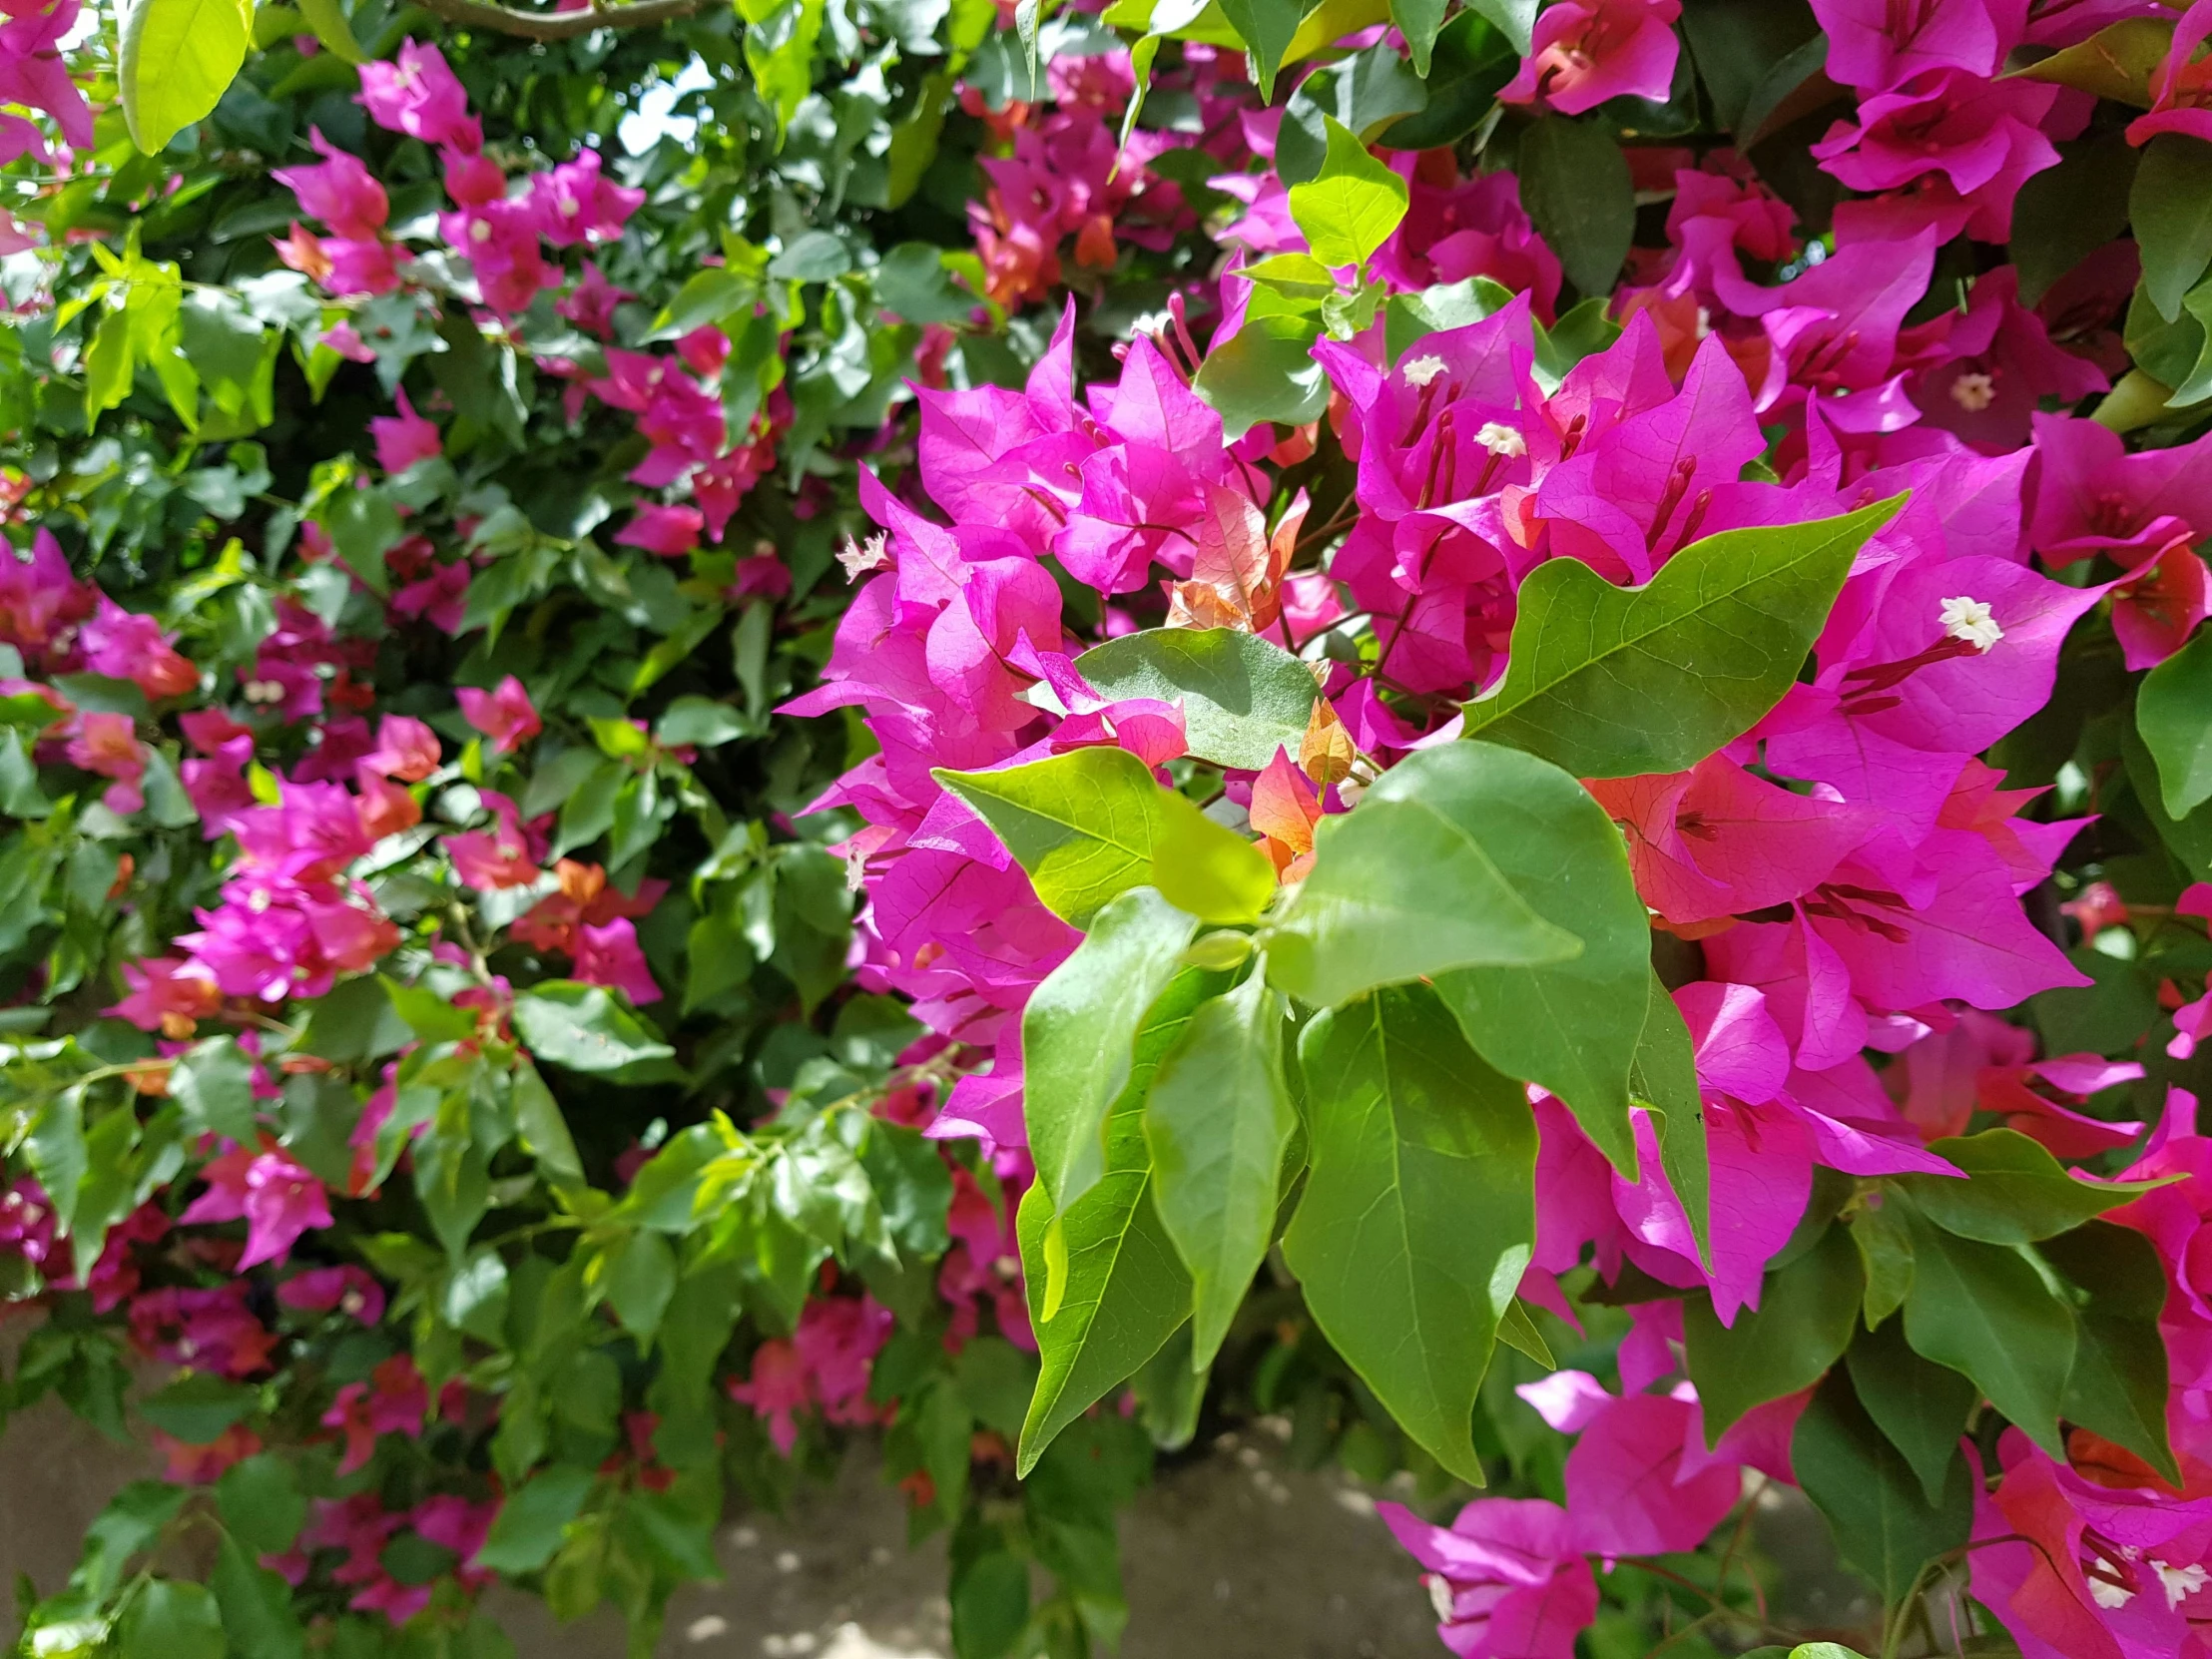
point(1983, 1309)
point(261, 1502)
point(1920, 1406)
point(2173, 711)
point(1621, 681)
point(1217, 1120)
point(1886, 1251)
point(1574, 182)
point(1883, 1523)
point(2016, 1191)
point(1804, 1320)
point(2067, 213)
point(198, 1406)
point(1418, 1214)
point(2171, 211)
point(2118, 1384)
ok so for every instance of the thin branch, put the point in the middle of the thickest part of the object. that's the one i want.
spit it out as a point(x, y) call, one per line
point(548, 26)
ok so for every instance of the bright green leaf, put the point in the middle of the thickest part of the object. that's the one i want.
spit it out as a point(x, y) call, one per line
point(179, 57)
point(2173, 711)
point(1621, 681)
point(1217, 1120)
point(1352, 205)
point(1418, 1215)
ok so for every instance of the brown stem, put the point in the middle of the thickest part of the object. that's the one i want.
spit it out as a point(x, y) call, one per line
point(548, 26)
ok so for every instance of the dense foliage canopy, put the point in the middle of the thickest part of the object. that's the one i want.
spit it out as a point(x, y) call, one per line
point(1023, 728)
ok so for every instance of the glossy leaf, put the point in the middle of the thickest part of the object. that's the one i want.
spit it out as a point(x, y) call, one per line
point(1266, 28)
point(1886, 1251)
point(1804, 1320)
point(584, 1029)
point(2173, 711)
point(1243, 698)
point(1093, 823)
point(1350, 208)
point(1922, 1407)
point(2016, 1191)
point(1125, 1290)
point(1983, 1309)
point(1418, 1215)
point(1264, 371)
point(1217, 1120)
point(1434, 872)
point(1575, 180)
point(2118, 1384)
point(2116, 62)
point(178, 59)
point(2170, 208)
point(1621, 681)
point(1882, 1522)
point(1078, 1038)
point(172, 1618)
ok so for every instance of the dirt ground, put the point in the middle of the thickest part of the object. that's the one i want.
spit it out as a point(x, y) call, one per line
point(1231, 1555)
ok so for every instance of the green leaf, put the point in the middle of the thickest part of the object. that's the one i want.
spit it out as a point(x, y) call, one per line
point(198, 1406)
point(1884, 1524)
point(2016, 1191)
point(2068, 211)
point(1622, 682)
point(1352, 205)
point(1078, 1036)
point(1093, 823)
point(214, 1082)
point(1418, 1215)
point(1802, 1321)
point(2173, 711)
point(1241, 698)
point(2119, 1380)
point(261, 1503)
point(707, 297)
point(1418, 21)
point(534, 1518)
point(431, 1016)
point(1123, 1288)
point(1266, 28)
point(584, 1029)
point(1264, 371)
point(179, 57)
point(172, 1619)
point(1217, 1120)
point(1886, 1251)
point(1662, 1078)
point(1514, 18)
point(2171, 211)
point(543, 1129)
point(640, 1280)
point(256, 1605)
point(1986, 1310)
point(1922, 1407)
point(1418, 879)
point(2116, 62)
point(328, 21)
point(1575, 180)
point(1573, 1024)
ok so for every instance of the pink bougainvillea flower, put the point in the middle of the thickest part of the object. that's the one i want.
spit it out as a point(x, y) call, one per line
point(1874, 45)
point(167, 995)
point(405, 438)
point(1586, 51)
point(38, 595)
point(504, 714)
point(107, 745)
point(1507, 1580)
point(608, 954)
point(210, 1330)
point(395, 1400)
point(669, 531)
point(418, 95)
point(342, 1290)
point(406, 750)
point(2181, 86)
point(126, 645)
point(1981, 138)
point(341, 192)
point(1996, 366)
point(2159, 604)
point(278, 1199)
point(575, 204)
point(501, 857)
point(1626, 1490)
point(2096, 497)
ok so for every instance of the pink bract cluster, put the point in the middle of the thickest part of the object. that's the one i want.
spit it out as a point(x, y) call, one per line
point(504, 234)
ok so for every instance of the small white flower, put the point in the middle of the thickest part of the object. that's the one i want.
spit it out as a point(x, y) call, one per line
point(2109, 1595)
point(1969, 620)
point(480, 229)
point(1418, 371)
point(1703, 321)
point(1501, 439)
point(2180, 1583)
point(1440, 1597)
point(1973, 391)
point(860, 557)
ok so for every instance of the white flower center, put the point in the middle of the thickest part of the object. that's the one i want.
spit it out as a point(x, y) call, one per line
point(2108, 1594)
point(1969, 620)
point(1418, 371)
point(1440, 1597)
point(1973, 391)
point(1501, 439)
point(480, 229)
point(2180, 1582)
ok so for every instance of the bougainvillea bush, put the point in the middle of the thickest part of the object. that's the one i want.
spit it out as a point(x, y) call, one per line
point(1026, 729)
